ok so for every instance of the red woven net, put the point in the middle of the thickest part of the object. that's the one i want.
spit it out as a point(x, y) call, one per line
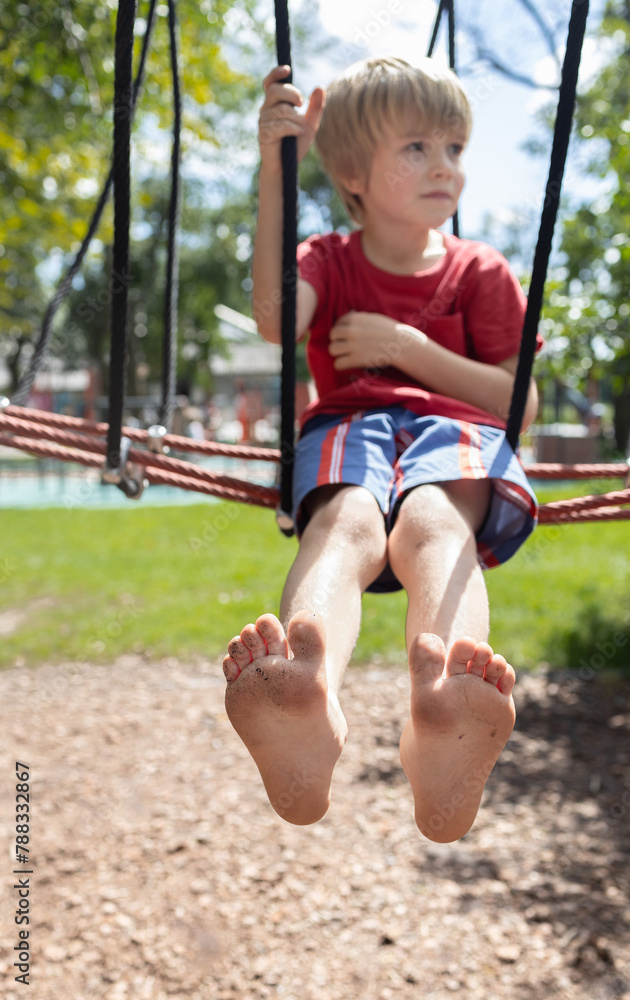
point(70, 439)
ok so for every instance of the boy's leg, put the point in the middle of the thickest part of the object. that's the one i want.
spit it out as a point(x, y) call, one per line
point(285, 709)
point(462, 711)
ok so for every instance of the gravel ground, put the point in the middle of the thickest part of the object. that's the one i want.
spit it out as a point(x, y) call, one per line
point(160, 871)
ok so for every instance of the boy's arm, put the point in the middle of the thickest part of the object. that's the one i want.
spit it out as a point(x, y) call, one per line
point(279, 118)
point(368, 340)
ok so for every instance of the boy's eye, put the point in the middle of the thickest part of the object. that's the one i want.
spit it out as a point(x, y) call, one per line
point(417, 147)
point(457, 148)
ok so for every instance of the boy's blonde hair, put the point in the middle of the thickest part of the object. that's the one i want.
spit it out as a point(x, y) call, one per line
point(379, 92)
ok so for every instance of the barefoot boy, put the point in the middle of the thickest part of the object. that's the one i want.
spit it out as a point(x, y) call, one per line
point(402, 474)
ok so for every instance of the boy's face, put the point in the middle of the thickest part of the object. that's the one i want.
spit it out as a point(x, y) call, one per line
point(415, 178)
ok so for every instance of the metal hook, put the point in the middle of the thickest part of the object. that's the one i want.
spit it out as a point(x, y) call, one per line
point(127, 476)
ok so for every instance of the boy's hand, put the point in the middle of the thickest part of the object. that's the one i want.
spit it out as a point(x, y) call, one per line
point(278, 117)
point(369, 340)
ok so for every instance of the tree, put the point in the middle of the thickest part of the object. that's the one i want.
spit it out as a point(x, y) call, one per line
point(587, 320)
point(56, 89)
point(214, 268)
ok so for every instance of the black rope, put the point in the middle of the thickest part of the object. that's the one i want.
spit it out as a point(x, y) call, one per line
point(289, 277)
point(436, 28)
point(123, 105)
point(451, 62)
point(561, 136)
point(20, 397)
point(448, 7)
point(169, 343)
point(451, 34)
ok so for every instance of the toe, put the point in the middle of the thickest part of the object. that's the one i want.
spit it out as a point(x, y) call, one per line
point(231, 669)
point(480, 660)
point(271, 631)
point(254, 642)
point(501, 674)
point(459, 656)
point(307, 637)
point(506, 683)
point(239, 652)
point(495, 669)
point(426, 658)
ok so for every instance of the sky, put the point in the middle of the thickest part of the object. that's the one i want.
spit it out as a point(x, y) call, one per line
point(502, 178)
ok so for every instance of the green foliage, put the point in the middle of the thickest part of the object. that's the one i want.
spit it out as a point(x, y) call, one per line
point(587, 319)
point(56, 91)
point(56, 82)
point(214, 265)
point(598, 641)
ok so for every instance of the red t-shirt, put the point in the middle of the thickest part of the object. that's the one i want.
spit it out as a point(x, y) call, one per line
point(469, 302)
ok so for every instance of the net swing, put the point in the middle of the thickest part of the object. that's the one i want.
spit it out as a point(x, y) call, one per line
point(131, 457)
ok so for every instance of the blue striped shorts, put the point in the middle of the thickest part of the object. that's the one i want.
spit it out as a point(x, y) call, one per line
point(391, 451)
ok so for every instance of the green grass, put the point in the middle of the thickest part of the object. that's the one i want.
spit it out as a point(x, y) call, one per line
point(91, 585)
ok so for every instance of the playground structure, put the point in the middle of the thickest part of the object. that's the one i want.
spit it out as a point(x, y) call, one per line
point(70, 439)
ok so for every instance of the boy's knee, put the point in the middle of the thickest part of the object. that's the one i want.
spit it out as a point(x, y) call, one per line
point(351, 510)
point(427, 515)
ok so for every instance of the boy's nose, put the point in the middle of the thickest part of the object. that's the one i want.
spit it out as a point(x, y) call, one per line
point(440, 165)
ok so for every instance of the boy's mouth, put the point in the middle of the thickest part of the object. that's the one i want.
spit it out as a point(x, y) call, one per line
point(438, 195)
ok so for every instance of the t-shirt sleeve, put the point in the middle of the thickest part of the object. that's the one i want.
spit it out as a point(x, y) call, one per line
point(313, 258)
point(494, 307)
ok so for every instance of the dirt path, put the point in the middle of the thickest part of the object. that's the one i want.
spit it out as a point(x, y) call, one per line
point(161, 872)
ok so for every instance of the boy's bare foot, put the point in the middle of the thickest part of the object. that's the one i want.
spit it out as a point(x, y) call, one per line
point(277, 700)
point(462, 714)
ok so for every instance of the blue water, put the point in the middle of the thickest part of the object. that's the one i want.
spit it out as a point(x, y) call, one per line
point(83, 488)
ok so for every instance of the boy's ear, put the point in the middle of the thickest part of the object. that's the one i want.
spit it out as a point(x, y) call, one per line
point(355, 185)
